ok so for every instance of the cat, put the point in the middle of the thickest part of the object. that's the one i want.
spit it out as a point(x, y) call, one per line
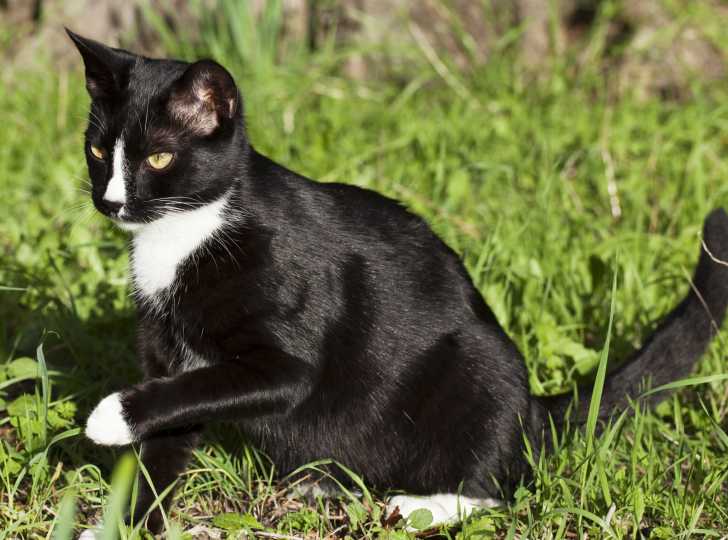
point(325, 319)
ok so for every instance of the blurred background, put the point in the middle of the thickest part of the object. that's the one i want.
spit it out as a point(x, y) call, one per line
point(650, 46)
point(553, 144)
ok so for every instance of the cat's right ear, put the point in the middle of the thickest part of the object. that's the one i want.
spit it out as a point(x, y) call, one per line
point(107, 69)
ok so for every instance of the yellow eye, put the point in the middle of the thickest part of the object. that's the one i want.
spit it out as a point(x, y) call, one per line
point(159, 161)
point(98, 153)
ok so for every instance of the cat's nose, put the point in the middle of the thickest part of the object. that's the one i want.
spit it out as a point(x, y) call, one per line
point(112, 207)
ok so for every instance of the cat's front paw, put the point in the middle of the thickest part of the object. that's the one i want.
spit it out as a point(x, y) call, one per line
point(108, 424)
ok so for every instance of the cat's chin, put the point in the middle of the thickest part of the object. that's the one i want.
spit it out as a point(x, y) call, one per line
point(129, 226)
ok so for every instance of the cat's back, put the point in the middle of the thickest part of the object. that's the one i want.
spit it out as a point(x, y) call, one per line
point(344, 241)
point(338, 218)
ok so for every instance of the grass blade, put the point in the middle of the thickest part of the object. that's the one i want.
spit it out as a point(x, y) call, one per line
point(63, 528)
point(121, 481)
point(596, 397)
point(45, 390)
point(690, 381)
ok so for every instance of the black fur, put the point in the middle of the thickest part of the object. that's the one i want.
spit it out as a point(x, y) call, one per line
point(327, 320)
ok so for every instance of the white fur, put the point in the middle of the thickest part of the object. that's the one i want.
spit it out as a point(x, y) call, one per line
point(191, 359)
point(128, 226)
point(116, 188)
point(162, 245)
point(106, 424)
point(446, 508)
point(89, 534)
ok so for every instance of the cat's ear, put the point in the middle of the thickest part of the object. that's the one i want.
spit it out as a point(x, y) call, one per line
point(204, 98)
point(107, 69)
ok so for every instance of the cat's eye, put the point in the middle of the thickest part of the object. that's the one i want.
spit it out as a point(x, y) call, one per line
point(160, 161)
point(98, 153)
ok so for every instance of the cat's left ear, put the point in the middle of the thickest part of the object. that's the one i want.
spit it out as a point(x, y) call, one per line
point(205, 98)
point(107, 69)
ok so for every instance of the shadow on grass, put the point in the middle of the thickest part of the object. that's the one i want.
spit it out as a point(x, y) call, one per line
point(88, 358)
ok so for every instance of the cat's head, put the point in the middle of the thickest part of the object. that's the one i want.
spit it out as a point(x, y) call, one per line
point(163, 135)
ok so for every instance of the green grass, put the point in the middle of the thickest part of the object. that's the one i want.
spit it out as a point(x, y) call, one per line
point(514, 173)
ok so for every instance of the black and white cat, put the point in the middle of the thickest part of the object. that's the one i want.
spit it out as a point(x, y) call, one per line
point(325, 319)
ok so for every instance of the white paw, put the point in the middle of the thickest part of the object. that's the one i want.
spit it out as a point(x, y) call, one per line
point(89, 534)
point(106, 425)
point(446, 508)
point(407, 504)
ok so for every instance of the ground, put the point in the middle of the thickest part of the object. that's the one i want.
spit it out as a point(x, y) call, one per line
point(550, 188)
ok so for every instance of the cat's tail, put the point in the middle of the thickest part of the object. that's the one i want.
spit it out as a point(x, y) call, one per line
point(670, 353)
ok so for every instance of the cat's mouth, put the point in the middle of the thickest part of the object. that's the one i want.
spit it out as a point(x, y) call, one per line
point(122, 217)
point(125, 223)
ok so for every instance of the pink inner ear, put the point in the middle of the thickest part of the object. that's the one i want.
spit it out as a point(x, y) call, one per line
point(204, 93)
point(204, 97)
point(195, 110)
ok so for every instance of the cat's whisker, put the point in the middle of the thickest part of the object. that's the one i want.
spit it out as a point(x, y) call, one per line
point(219, 239)
point(87, 118)
point(174, 208)
point(176, 198)
point(177, 201)
point(72, 208)
point(81, 179)
point(101, 123)
point(79, 206)
point(95, 124)
point(83, 216)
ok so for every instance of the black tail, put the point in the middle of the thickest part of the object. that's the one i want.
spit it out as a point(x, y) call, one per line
point(674, 348)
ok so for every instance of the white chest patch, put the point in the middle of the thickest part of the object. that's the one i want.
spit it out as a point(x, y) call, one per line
point(161, 246)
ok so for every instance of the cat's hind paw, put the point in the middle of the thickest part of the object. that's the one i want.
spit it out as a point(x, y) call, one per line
point(94, 533)
point(446, 508)
point(107, 425)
